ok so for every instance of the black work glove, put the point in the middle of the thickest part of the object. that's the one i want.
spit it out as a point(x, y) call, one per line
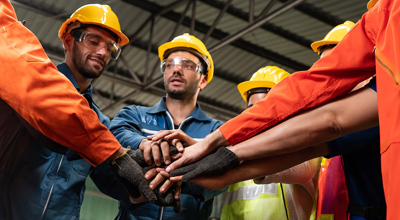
point(218, 162)
point(131, 175)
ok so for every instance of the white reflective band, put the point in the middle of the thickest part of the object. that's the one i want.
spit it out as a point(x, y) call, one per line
point(151, 132)
point(251, 192)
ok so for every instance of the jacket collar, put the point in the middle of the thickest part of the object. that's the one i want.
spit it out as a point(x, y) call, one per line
point(161, 107)
point(64, 69)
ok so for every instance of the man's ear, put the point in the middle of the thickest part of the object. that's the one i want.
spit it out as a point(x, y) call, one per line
point(203, 82)
point(68, 42)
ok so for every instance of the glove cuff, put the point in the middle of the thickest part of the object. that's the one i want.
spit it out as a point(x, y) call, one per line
point(113, 162)
point(229, 155)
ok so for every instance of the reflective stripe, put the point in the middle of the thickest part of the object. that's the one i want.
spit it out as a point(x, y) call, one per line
point(247, 200)
point(148, 131)
point(250, 192)
point(387, 68)
point(51, 189)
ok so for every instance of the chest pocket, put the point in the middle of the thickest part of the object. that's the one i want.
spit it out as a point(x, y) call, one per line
point(21, 41)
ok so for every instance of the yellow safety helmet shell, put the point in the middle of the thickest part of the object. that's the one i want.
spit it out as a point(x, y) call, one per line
point(371, 4)
point(189, 41)
point(334, 36)
point(266, 77)
point(96, 14)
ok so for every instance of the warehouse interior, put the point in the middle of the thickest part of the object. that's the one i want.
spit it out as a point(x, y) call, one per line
point(241, 35)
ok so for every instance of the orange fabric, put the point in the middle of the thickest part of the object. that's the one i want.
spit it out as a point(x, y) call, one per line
point(45, 98)
point(328, 78)
point(332, 190)
point(391, 179)
point(350, 62)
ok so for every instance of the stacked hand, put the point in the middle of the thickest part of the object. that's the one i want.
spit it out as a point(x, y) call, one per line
point(158, 151)
point(168, 197)
point(218, 162)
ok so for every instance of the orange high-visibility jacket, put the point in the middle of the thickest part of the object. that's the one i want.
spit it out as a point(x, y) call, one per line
point(372, 46)
point(45, 98)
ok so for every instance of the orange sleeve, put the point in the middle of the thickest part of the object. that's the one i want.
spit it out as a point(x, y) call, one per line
point(45, 98)
point(351, 62)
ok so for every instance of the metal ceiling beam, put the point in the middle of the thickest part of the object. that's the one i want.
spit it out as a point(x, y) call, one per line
point(153, 15)
point(266, 9)
point(267, 26)
point(217, 34)
point(260, 21)
point(318, 13)
point(216, 21)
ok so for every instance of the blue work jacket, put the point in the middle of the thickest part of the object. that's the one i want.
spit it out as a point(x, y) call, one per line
point(133, 124)
point(44, 184)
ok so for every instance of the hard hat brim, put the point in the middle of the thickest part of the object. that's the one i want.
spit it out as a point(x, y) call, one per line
point(124, 39)
point(246, 86)
point(320, 43)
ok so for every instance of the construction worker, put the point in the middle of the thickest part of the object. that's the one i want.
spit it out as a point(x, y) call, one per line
point(187, 67)
point(332, 190)
point(38, 103)
point(361, 160)
point(247, 200)
point(363, 179)
point(373, 50)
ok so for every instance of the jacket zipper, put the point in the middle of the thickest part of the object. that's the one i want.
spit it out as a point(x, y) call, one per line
point(173, 128)
point(387, 68)
point(51, 189)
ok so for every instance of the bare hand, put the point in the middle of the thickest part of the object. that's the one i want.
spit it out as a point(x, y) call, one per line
point(191, 154)
point(151, 151)
point(172, 134)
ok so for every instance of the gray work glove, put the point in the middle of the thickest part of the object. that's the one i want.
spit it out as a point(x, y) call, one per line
point(163, 199)
point(167, 198)
point(131, 175)
point(218, 162)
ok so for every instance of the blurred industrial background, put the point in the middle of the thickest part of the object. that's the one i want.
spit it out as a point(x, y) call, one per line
point(241, 35)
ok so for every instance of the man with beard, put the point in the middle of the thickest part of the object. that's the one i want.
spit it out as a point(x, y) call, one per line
point(48, 186)
point(187, 67)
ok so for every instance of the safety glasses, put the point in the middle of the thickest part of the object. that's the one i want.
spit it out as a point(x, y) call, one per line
point(187, 66)
point(95, 42)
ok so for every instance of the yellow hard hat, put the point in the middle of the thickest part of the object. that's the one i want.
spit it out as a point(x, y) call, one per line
point(266, 77)
point(371, 4)
point(192, 42)
point(96, 14)
point(334, 36)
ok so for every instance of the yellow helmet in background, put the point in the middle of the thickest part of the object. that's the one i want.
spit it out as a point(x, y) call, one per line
point(189, 41)
point(371, 4)
point(334, 36)
point(96, 14)
point(266, 77)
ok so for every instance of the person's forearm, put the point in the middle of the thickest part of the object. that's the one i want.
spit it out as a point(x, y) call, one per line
point(357, 111)
point(214, 140)
point(298, 174)
point(261, 167)
point(34, 88)
point(330, 77)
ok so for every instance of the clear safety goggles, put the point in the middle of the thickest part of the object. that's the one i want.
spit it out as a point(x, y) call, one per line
point(187, 66)
point(95, 42)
